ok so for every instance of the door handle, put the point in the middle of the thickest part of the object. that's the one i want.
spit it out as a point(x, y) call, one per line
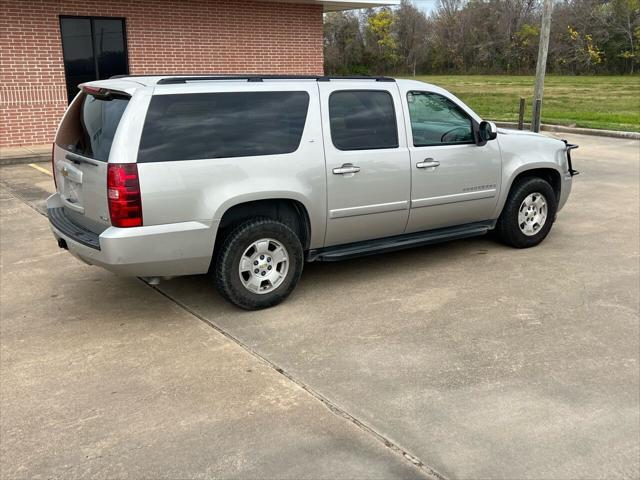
point(428, 163)
point(345, 169)
point(77, 159)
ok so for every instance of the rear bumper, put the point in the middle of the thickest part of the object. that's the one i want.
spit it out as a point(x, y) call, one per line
point(150, 251)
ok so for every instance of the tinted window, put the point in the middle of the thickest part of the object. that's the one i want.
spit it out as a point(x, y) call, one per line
point(362, 120)
point(110, 49)
point(93, 49)
point(77, 49)
point(215, 125)
point(436, 120)
point(90, 125)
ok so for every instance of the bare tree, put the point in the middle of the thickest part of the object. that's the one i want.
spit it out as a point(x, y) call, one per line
point(410, 28)
point(485, 36)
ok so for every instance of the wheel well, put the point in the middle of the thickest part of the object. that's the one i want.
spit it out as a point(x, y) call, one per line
point(549, 174)
point(287, 211)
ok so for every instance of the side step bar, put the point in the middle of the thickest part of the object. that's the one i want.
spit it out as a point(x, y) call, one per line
point(399, 242)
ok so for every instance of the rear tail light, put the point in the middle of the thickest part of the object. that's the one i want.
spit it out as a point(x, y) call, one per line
point(123, 194)
point(53, 164)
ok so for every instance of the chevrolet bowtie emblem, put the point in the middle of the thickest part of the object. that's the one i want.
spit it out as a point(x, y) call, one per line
point(65, 172)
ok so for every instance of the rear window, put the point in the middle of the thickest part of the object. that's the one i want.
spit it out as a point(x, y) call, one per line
point(90, 125)
point(221, 125)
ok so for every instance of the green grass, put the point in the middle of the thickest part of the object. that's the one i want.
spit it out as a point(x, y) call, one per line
point(605, 102)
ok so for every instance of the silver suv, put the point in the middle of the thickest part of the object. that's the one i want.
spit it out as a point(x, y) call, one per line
point(246, 178)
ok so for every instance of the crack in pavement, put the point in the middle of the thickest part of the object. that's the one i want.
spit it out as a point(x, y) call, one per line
point(424, 468)
point(15, 193)
point(431, 472)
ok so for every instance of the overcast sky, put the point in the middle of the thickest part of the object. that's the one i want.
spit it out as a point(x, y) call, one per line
point(426, 5)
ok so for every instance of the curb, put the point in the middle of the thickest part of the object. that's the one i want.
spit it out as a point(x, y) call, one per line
point(30, 158)
point(577, 130)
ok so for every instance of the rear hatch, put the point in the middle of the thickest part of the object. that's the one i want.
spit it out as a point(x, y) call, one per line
point(81, 152)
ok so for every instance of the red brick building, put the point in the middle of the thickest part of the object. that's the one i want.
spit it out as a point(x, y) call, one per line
point(47, 47)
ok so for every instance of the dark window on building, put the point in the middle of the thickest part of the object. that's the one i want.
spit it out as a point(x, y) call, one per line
point(93, 48)
point(90, 125)
point(362, 120)
point(217, 125)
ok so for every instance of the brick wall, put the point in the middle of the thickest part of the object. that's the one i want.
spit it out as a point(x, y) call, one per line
point(163, 36)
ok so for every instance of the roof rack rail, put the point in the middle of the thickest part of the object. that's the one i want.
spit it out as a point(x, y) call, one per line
point(184, 74)
point(259, 78)
point(138, 75)
point(327, 78)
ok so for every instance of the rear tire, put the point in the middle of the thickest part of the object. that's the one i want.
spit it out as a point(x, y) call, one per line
point(259, 264)
point(528, 214)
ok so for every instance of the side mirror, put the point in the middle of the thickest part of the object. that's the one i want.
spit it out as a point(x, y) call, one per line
point(486, 131)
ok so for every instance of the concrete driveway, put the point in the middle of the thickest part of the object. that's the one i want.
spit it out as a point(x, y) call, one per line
point(463, 360)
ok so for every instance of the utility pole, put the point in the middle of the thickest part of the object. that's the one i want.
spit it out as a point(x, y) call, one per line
point(541, 67)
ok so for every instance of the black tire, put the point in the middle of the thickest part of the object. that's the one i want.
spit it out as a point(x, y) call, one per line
point(508, 230)
point(226, 266)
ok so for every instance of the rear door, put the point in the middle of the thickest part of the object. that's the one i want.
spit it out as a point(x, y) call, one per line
point(367, 161)
point(81, 153)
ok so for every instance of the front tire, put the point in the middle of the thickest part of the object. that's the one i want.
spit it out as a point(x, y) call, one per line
point(259, 264)
point(528, 214)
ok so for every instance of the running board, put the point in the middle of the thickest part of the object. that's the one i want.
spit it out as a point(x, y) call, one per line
point(399, 242)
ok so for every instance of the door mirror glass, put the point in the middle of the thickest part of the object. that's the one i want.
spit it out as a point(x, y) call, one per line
point(486, 131)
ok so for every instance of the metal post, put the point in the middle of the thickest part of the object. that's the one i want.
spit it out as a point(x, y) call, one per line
point(541, 66)
point(535, 124)
point(521, 114)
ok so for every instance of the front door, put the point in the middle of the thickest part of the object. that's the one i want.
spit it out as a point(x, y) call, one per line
point(367, 162)
point(454, 181)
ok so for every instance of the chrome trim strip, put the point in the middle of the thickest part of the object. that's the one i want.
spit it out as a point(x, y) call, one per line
point(369, 209)
point(457, 197)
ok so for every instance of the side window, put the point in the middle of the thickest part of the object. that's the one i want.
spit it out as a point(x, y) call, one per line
point(195, 126)
point(362, 120)
point(436, 120)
